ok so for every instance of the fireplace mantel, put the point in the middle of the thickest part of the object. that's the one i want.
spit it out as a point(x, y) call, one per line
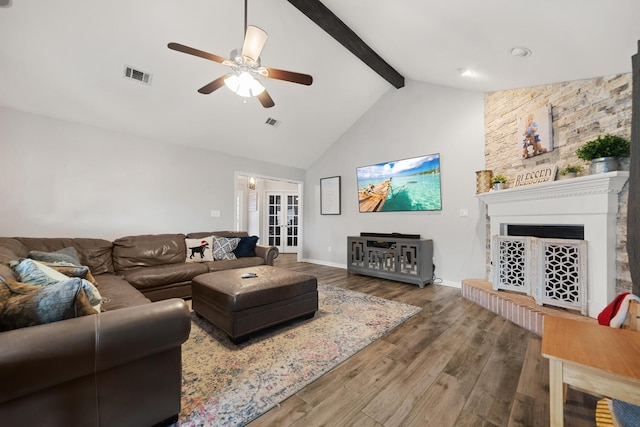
point(603, 183)
point(591, 201)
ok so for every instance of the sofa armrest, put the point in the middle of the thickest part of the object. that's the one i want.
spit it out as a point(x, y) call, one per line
point(43, 356)
point(268, 253)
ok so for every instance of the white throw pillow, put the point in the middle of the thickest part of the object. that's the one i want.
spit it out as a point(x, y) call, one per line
point(199, 250)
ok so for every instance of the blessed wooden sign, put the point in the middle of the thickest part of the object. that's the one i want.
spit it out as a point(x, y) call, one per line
point(537, 175)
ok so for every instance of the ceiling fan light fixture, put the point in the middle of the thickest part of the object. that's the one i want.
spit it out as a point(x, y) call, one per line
point(254, 41)
point(245, 67)
point(244, 85)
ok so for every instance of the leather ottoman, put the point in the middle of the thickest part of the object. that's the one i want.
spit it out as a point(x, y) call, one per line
point(240, 306)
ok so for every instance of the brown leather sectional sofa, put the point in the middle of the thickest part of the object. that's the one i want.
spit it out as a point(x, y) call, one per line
point(121, 367)
point(155, 263)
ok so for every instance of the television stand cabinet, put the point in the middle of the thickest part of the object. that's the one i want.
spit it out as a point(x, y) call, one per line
point(400, 259)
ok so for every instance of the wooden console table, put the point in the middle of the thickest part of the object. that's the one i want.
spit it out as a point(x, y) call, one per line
point(591, 357)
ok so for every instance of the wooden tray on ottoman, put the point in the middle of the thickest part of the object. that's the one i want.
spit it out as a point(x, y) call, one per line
point(240, 306)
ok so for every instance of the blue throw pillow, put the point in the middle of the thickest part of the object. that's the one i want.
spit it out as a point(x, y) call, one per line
point(32, 272)
point(246, 246)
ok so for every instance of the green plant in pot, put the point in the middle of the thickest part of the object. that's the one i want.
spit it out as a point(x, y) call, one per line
point(570, 170)
point(604, 152)
point(499, 182)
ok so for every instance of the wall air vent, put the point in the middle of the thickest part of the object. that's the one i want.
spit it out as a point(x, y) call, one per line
point(140, 76)
point(273, 122)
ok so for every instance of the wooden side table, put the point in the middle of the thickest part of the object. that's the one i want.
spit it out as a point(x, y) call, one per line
point(591, 357)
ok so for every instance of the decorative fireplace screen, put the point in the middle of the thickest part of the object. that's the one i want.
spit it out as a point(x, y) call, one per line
point(553, 271)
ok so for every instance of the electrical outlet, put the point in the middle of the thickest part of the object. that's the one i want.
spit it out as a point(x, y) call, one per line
point(329, 249)
point(464, 212)
point(215, 213)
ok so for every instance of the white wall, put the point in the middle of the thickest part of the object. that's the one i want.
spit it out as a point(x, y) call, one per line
point(416, 120)
point(65, 179)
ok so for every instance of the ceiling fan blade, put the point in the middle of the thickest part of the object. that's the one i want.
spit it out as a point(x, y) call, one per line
point(254, 41)
point(191, 51)
point(289, 76)
point(214, 85)
point(265, 99)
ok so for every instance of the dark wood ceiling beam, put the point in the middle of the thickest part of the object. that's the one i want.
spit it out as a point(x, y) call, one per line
point(328, 21)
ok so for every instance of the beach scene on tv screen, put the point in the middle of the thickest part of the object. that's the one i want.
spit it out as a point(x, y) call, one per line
point(402, 185)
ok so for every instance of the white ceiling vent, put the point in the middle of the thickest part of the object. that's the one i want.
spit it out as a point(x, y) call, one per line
point(140, 76)
point(273, 122)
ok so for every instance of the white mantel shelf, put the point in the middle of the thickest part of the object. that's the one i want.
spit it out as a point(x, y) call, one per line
point(610, 182)
point(590, 201)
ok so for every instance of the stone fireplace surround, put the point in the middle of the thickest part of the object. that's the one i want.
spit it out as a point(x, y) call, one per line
point(590, 201)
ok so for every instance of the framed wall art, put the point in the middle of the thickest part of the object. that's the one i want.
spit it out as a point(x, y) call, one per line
point(253, 202)
point(330, 196)
point(534, 135)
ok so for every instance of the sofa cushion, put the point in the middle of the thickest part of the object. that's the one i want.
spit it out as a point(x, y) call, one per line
point(246, 246)
point(150, 277)
point(200, 234)
point(11, 249)
point(223, 247)
point(67, 255)
point(249, 261)
point(149, 250)
point(199, 250)
point(118, 293)
point(29, 305)
point(94, 253)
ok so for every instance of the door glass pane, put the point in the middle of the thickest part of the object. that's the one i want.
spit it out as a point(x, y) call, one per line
point(275, 230)
point(292, 220)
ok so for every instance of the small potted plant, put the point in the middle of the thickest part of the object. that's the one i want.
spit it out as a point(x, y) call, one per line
point(604, 152)
point(570, 171)
point(499, 182)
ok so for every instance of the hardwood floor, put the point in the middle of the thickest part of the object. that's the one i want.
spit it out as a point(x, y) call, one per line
point(453, 364)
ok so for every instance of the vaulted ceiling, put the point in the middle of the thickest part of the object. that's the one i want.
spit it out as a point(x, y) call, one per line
point(66, 59)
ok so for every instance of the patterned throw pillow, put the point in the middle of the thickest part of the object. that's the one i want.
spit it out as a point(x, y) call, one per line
point(199, 250)
point(223, 247)
point(30, 305)
point(35, 273)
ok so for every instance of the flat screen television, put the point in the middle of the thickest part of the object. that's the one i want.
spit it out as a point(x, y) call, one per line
point(401, 185)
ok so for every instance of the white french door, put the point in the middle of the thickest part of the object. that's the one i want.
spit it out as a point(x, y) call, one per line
point(282, 220)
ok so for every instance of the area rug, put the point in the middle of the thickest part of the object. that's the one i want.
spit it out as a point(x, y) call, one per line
point(228, 385)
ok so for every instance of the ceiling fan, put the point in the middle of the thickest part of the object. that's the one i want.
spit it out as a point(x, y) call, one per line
point(245, 67)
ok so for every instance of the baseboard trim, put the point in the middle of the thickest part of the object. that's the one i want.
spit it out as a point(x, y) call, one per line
point(326, 263)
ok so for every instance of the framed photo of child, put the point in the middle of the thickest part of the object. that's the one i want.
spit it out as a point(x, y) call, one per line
point(534, 136)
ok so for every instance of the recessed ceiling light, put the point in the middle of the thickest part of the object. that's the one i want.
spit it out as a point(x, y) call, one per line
point(466, 72)
point(520, 52)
